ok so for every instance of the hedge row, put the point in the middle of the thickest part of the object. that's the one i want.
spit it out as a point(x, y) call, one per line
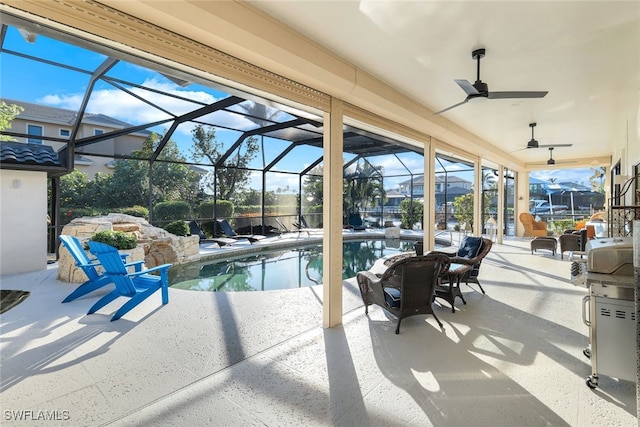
point(180, 210)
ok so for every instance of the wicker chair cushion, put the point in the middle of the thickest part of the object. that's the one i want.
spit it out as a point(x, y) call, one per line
point(470, 247)
point(392, 297)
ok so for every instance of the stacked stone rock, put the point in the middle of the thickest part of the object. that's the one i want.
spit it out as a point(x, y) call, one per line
point(155, 245)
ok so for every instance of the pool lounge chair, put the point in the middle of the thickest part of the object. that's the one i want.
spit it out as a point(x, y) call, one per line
point(302, 226)
point(95, 280)
point(195, 230)
point(230, 233)
point(282, 226)
point(136, 286)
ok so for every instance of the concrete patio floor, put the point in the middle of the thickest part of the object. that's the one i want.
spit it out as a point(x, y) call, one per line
point(512, 357)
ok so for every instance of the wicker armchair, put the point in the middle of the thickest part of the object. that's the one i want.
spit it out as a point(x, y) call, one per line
point(532, 228)
point(572, 240)
point(406, 287)
point(471, 252)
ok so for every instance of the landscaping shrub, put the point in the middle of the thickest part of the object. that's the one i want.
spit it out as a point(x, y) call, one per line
point(208, 228)
point(66, 215)
point(224, 209)
point(179, 228)
point(118, 239)
point(171, 211)
point(411, 211)
point(137, 211)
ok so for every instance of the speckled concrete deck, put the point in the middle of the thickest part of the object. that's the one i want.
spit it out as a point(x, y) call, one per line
point(512, 357)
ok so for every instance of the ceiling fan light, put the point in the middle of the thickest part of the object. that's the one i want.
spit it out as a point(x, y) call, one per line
point(551, 161)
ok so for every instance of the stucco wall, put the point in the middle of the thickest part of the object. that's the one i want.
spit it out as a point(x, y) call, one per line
point(23, 221)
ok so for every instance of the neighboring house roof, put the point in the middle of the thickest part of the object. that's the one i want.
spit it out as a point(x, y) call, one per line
point(419, 179)
point(62, 116)
point(81, 160)
point(575, 186)
point(33, 157)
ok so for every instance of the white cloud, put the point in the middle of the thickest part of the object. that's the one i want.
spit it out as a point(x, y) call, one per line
point(576, 175)
point(123, 106)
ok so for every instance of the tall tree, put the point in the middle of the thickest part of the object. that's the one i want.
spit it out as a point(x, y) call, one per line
point(230, 179)
point(172, 179)
point(129, 183)
point(7, 113)
point(363, 188)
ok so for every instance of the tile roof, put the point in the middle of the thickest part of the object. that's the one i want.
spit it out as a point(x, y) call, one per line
point(18, 153)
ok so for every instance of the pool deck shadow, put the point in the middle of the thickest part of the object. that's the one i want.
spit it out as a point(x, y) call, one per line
point(510, 357)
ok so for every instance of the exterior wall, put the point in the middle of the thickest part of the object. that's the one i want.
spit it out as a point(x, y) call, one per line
point(127, 143)
point(23, 221)
point(94, 165)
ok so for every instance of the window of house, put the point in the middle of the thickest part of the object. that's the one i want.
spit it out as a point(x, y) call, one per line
point(65, 133)
point(36, 131)
point(98, 131)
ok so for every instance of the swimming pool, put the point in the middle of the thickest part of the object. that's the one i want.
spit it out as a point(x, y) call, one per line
point(279, 269)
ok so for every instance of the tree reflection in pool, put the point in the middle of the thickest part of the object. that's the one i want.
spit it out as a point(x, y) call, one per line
point(280, 269)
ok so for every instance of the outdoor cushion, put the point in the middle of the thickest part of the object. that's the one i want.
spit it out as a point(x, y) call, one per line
point(392, 297)
point(470, 247)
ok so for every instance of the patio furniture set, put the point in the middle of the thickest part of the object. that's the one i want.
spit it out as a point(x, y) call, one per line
point(409, 283)
point(572, 240)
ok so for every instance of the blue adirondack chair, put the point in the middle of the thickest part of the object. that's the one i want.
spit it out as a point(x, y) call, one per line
point(88, 266)
point(136, 286)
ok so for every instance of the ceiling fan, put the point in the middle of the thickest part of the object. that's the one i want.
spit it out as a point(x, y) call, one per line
point(551, 160)
point(533, 143)
point(481, 90)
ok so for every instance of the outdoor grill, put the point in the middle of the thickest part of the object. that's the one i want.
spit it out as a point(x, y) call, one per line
point(606, 270)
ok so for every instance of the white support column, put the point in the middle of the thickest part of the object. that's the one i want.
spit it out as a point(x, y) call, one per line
point(429, 216)
point(522, 204)
point(477, 198)
point(332, 216)
point(501, 203)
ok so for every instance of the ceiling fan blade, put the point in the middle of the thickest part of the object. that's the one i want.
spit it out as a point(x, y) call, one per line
point(467, 87)
point(506, 95)
point(555, 145)
point(519, 149)
point(453, 106)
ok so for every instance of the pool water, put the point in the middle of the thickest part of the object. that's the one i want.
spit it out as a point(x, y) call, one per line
point(279, 269)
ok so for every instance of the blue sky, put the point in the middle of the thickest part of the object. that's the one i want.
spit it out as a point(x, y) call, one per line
point(30, 81)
